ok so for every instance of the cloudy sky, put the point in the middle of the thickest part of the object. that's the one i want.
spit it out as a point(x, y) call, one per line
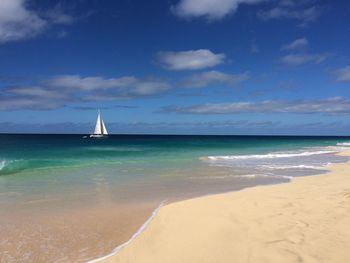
point(176, 66)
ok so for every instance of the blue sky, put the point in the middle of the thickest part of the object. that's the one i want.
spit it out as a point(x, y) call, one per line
point(176, 66)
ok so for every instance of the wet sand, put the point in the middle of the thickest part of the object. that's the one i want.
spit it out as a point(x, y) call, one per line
point(80, 225)
point(69, 235)
point(306, 220)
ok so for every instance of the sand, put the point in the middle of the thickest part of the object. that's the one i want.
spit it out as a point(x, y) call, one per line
point(68, 235)
point(307, 220)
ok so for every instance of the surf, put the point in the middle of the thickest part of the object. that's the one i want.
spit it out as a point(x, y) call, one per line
point(268, 155)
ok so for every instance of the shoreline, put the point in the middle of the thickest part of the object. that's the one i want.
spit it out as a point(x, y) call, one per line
point(163, 203)
point(135, 235)
point(137, 248)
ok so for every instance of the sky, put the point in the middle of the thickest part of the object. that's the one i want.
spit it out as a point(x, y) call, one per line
point(248, 67)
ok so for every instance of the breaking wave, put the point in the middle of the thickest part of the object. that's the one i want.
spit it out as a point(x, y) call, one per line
point(2, 164)
point(268, 155)
point(308, 161)
point(300, 166)
point(10, 166)
point(346, 144)
point(249, 176)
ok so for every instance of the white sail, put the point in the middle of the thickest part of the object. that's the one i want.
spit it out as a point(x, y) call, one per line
point(104, 130)
point(98, 129)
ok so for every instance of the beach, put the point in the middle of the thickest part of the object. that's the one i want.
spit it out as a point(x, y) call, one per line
point(67, 199)
point(178, 131)
point(306, 220)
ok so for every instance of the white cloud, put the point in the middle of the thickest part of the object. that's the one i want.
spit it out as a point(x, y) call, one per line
point(343, 74)
point(205, 79)
point(56, 15)
point(17, 22)
point(211, 9)
point(37, 103)
point(38, 92)
point(89, 83)
point(300, 59)
point(336, 105)
point(189, 60)
point(123, 87)
point(292, 11)
point(59, 91)
point(186, 127)
point(296, 44)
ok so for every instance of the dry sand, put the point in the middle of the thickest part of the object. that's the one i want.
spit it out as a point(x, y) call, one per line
point(307, 220)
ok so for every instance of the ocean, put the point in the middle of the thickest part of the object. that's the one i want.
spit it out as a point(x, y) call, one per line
point(65, 198)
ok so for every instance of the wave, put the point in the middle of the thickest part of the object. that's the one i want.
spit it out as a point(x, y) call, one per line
point(300, 166)
point(343, 144)
point(266, 176)
point(11, 166)
point(2, 164)
point(267, 156)
point(228, 176)
point(249, 176)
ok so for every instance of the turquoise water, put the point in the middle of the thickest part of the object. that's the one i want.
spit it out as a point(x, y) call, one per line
point(35, 158)
point(47, 176)
point(153, 166)
point(29, 152)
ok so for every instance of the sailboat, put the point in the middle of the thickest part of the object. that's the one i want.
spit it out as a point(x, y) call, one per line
point(100, 128)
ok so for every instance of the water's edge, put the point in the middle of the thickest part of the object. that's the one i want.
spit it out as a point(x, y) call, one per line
point(163, 203)
point(136, 234)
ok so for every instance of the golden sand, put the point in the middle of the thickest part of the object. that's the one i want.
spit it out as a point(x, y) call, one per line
point(307, 220)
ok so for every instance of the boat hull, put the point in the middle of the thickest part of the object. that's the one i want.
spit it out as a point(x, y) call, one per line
point(98, 136)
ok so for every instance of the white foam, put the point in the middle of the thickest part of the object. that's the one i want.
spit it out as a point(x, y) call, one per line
point(343, 144)
point(250, 176)
point(265, 175)
point(138, 232)
point(300, 166)
point(267, 156)
point(2, 164)
point(227, 176)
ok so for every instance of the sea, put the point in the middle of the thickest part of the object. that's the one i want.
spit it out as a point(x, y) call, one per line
point(69, 198)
